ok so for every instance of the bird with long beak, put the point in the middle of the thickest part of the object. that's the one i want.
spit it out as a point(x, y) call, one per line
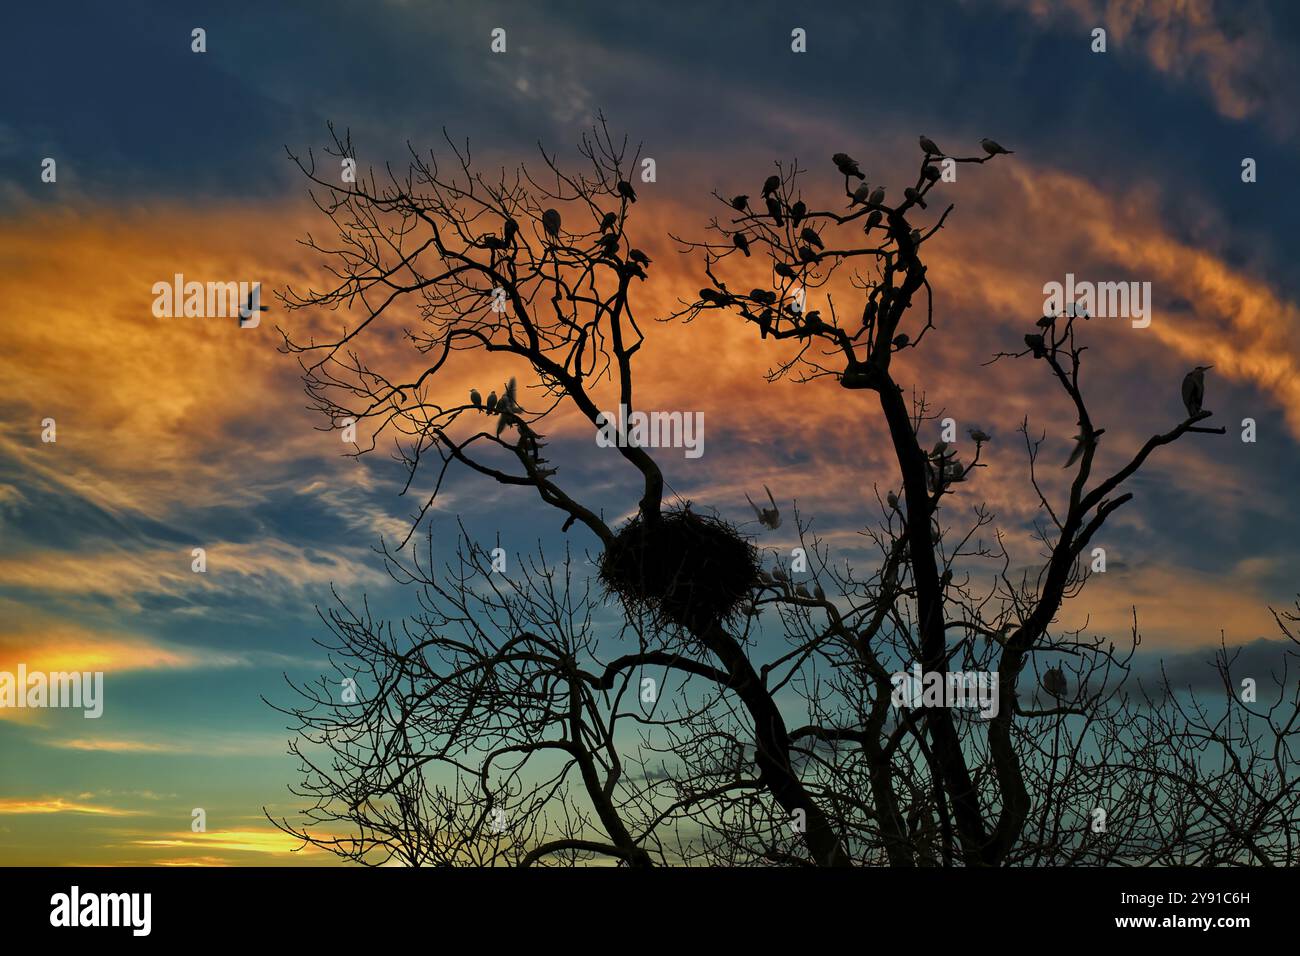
point(1194, 389)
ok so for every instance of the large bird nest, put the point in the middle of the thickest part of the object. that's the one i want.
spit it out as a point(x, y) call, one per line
point(686, 568)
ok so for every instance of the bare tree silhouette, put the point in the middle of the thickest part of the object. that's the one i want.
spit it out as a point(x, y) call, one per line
point(503, 723)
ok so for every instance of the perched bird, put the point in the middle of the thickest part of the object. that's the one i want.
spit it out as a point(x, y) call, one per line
point(892, 499)
point(491, 402)
point(807, 255)
point(783, 270)
point(847, 165)
point(779, 574)
point(768, 518)
point(812, 322)
point(810, 236)
point(873, 220)
point(901, 340)
point(940, 449)
point(930, 172)
point(607, 221)
point(927, 144)
point(1083, 441)
point(798, 211)
point(979, 436)
point(475, 398)
point(1194, 389)
point(740, 203)
point(801, 590)
point(1054, 682)
point(915, 236)
point(1046, 322)
point(860, 195)
point(551, 222)
point(818, 593)
point(993, 148)
point(771, 185)
point(774, 210)
point(511, 227)
point(877, 196)
point(741, 243)
point(639, 257)
point(1037, 345)
point(914, 196)
point(626, 191)
point(609, 243)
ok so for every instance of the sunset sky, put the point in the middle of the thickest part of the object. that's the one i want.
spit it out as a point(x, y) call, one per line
point(178, 433)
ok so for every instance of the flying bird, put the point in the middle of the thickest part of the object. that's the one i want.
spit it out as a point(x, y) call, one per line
point(1083, 441)
point(847, 165)
point(1194, 389)
point(927, 144)
point(993, 148)
point(768, 518)
point(551, 222)
point(626, 191)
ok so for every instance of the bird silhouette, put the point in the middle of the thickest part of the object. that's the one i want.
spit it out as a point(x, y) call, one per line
point(475, 398)
point(809, 236)
point(783, 270)
point(801, 590)
point(626, 191)
point(877, 196)
point(607, 221)
point(639, 257)
point(927, 144)
point(768, 518)
point(847, 165)
point(248, 308)
point(911, 194)
point(741, 243)
point(740, 203)
point(1054, 682)
point(551, 222)
point(978, 435)
point(860, 195)
point(1083, 441)
point(992, 147)
point(1037, 344)
point(798, 211)
point(491, 402)
point(774, 210)
point(1194, 389)
point(771, 185)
